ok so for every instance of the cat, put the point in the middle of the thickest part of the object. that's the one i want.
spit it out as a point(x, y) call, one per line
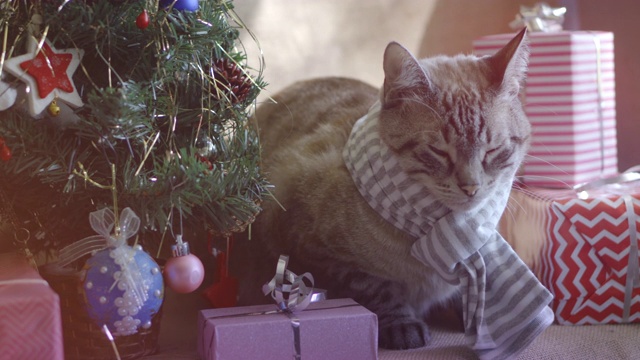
point(454, 123)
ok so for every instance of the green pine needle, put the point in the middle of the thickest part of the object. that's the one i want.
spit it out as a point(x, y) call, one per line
point(151, 98)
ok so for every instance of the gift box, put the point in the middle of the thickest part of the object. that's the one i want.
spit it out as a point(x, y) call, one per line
point(30, 326)
point(569, 99)
point(330, 329)
point(583, 246)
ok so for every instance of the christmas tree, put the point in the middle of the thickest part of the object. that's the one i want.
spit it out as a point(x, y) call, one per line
point(158, 93)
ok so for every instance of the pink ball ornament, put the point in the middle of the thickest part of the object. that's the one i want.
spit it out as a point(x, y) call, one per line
point(184, 272)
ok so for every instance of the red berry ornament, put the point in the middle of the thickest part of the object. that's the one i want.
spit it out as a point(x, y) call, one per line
point(5, 152)
point(142, 21)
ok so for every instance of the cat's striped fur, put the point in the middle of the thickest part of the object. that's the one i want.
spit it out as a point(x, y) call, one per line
point(455, 123)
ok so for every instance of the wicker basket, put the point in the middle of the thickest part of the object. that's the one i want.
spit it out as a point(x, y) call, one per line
point(84, 340)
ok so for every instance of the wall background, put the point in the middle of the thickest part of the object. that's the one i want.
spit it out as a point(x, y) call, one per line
point(301, 39)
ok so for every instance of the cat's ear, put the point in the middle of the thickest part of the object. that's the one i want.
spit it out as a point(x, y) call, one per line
point(509, 65)
point(404, 78)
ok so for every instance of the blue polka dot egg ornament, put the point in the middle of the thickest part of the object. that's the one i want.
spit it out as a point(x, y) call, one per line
point(124, 300)
point(123, 285)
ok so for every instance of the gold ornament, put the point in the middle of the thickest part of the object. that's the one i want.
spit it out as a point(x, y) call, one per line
point(54, 109)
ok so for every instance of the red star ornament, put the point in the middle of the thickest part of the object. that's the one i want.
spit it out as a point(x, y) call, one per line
point(48, 73)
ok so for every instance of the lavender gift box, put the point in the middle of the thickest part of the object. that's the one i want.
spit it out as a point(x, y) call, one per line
point(330, 329)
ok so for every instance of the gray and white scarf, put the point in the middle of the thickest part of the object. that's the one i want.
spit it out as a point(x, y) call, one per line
point(504, 304)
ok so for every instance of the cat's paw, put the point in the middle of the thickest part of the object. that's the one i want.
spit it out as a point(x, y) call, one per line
point(404, 333)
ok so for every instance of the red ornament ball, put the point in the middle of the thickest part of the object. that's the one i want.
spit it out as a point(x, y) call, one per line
point(5, 152)
point(142, 21)
point(184, 274)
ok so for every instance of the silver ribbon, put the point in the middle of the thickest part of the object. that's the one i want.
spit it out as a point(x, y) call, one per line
point(288, 290)
point(628, 176)
point(291, 294)
point(633, 269)
point(598, 47)
point(540, 17)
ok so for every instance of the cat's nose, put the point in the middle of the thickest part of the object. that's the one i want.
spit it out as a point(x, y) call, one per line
point(470, 190)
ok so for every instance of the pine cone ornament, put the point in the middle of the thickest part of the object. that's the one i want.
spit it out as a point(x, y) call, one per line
point(231, 82)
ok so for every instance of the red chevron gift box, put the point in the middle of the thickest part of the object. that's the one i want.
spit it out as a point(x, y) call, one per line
point(583, 246)
point(30, 326)
point(569, 99)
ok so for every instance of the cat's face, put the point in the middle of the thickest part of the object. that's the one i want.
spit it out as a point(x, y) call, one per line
point(456, 124)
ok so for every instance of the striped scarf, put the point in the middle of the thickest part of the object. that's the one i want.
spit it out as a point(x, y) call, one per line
point(504, 305)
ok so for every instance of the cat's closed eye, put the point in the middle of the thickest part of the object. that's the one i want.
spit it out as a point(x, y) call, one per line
point(441, 153)
point(431, 159)
point(499, 157)
point(490, 154)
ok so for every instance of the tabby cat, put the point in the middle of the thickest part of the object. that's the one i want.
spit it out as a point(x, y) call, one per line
point(455, 123)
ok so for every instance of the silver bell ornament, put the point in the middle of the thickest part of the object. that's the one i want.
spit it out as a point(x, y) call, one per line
point(207, 148)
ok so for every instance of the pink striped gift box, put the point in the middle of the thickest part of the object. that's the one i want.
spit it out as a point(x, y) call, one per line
point(30, 319)
point(570, 101)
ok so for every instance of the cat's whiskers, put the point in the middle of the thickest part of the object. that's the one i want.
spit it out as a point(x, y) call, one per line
point(545, 161)
point(566, 185)
point(524, 190)
point(544, 177)
point(511, 204)
point(508, 210)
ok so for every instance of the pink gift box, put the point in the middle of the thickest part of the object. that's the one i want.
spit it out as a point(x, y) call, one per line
point(330, 329)
point(570, 102)
point(583, 247)
point(30, 325)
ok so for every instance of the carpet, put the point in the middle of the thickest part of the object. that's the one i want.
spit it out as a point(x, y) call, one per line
point(589, 342)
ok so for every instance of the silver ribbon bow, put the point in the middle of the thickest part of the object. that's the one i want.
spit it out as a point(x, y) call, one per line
point(291, 294)
point(289, 291)
point(540, 17)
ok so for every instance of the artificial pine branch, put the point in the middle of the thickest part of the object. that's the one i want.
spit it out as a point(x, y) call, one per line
point(150, 96)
